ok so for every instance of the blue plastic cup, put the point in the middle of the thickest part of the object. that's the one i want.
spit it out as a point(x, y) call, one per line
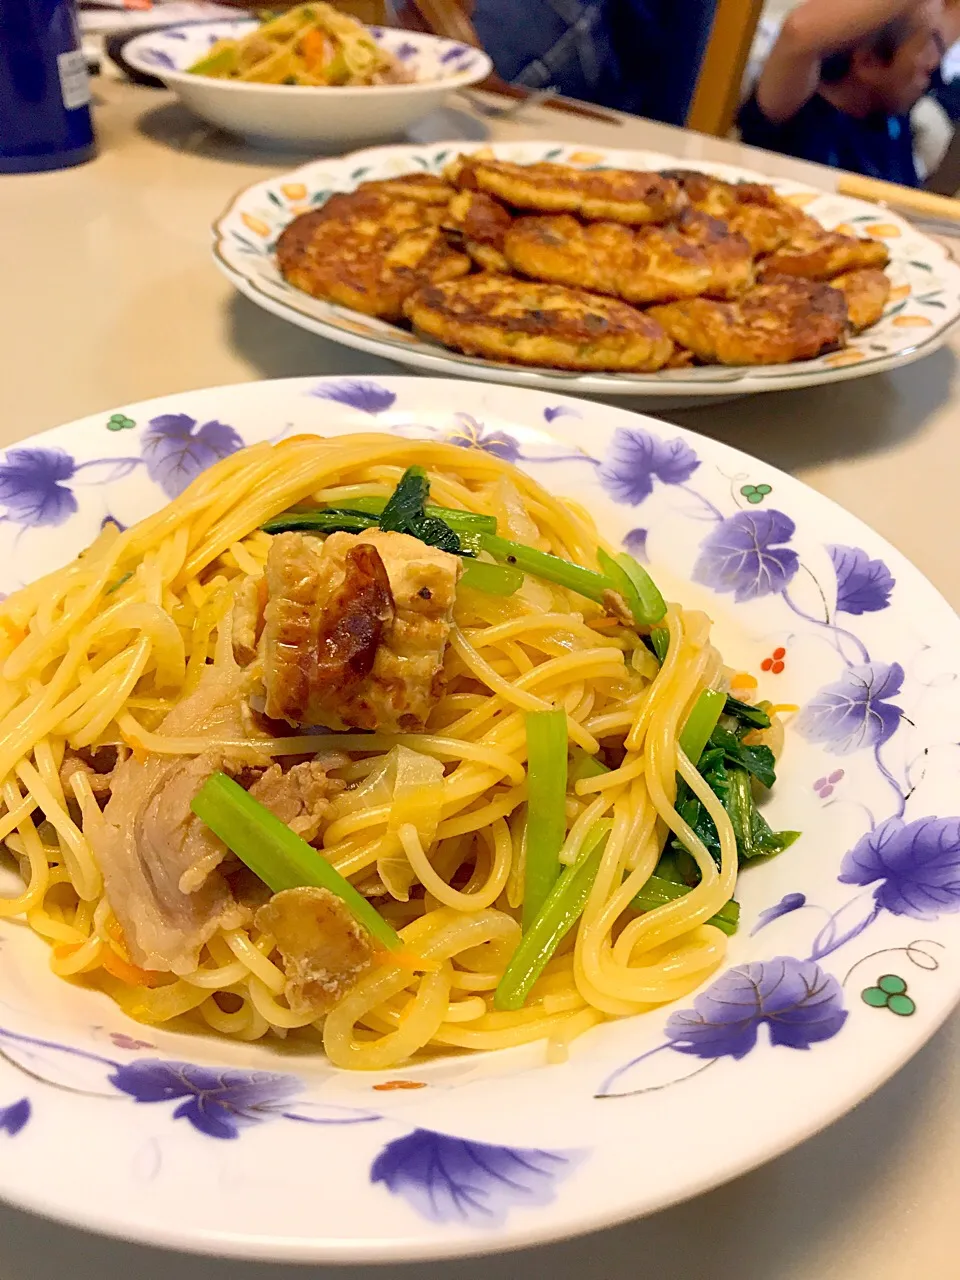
point(44, 88)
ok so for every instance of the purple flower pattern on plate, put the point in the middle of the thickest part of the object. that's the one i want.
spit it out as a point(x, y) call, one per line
point(635, 541)
point(158, 58)
point(442, 1177)
point(863, 585)
point(15, 1118)
point(824, 786)
point(455, 1180)
point(915, 866)
point(789, 903)
point(747, 555)
point(358, 393)
point(471, 434)
point(553, 412)
point(637, 457)
point(175, 449)
point(33, 486)
point(218, 1103)
point(799, 1003)
point(855, 711)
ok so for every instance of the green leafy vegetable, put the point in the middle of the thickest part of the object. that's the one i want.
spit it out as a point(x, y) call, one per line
point(115, 586)
point(585, 582)
point(546, 806)
point(555, 918)
point(757, 760)
point(635, 585)
point(754, 717)
point(406, 506)
point(657, 892)
point(435, 533)
point(327, 520)
point(755, 839)
point(700, 724)
point(405, 511)
point(584, 766)
point(276, 854)
point(462, 521)
point(660, 642)
point(727, 765)
point(492, 579)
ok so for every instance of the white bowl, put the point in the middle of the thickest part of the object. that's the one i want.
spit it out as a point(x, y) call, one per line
point(300, 115)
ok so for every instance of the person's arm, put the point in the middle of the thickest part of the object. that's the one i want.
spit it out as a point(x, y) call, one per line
point(950, 26)
point(809, 34)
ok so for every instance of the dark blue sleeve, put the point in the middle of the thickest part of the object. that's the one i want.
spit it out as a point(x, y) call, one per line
point(755, 129)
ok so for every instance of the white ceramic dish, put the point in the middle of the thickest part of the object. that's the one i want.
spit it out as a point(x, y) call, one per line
point(924, 305)
point(847, 960)
point(298, 115)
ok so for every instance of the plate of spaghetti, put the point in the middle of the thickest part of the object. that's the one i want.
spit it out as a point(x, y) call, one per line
point(456, 791)
point(308, 78)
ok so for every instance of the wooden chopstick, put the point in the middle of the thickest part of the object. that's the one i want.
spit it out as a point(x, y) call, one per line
point(925, 203)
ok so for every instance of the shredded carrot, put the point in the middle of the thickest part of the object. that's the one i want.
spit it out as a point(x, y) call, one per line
point(16, 634)
point(129, 973)
point(388, 1085)
point(784, 708)
point(407, 960)
point(315, 49)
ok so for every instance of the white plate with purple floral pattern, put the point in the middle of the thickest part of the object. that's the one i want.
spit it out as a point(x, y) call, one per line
point(924, 303)
point(305, 117)
point(847, 960)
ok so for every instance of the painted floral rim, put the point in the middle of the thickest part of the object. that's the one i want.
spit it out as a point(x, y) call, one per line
point(847, 961)
point(923, 309)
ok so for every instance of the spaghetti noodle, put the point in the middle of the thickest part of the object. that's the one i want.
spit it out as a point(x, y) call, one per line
point(312, 44)
point(100, 658)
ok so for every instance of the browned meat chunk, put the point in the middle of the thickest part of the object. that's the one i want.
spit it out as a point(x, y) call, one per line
point(300, 797)
point(323, 947)
point(248, 618)
point(356, 629)
point(97, 764)
point(159, 862)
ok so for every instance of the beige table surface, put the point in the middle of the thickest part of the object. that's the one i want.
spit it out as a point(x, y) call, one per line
point(108, 295)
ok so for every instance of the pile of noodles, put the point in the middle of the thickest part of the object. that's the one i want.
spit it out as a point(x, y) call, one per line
point(98, 652)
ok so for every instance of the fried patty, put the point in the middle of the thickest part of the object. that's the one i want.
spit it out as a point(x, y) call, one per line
point(542, 324)
point(619, 195)
point(370, 249)
point(651, 264)
point(866, 292)
point(751, 209)
point(426, 188)
point(816, 254)
point(481, 224)
point(770, 324)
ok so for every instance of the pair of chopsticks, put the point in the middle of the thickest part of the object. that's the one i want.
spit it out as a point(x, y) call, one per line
point(926, 205)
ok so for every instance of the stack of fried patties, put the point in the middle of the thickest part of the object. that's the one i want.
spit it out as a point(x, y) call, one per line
point(596, 269)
